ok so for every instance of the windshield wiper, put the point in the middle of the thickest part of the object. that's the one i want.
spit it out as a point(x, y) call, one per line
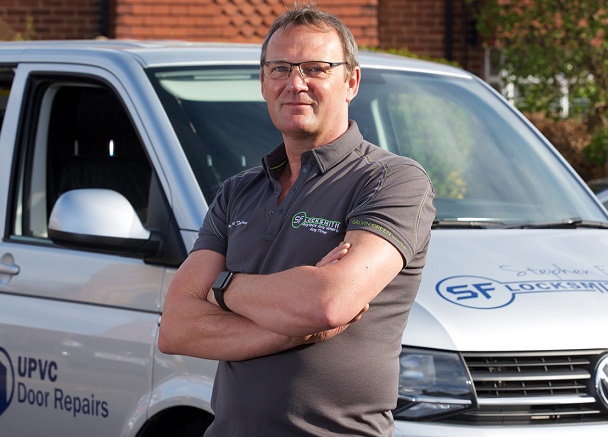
point(561, 224)
point(472, 223)
point(465, 224)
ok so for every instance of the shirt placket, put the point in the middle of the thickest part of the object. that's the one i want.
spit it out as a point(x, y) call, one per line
point(276, 214)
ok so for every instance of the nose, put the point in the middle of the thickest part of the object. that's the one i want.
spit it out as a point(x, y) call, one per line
point(297, 81)
point(300, 72)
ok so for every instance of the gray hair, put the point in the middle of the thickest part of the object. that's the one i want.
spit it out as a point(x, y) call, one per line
point(307, 14)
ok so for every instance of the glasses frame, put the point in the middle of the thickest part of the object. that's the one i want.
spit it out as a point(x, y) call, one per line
point(297, 64)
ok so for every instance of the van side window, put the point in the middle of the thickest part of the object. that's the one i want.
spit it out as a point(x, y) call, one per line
point(80, 136)
point(92, 144)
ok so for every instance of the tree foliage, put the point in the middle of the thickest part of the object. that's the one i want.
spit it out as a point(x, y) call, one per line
point(546, 44)
point(8, 34)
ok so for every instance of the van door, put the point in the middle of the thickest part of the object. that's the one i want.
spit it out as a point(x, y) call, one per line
point(78, 323)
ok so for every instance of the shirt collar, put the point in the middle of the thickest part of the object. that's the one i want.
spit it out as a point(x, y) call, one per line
point(326, 156)
point(333, 153)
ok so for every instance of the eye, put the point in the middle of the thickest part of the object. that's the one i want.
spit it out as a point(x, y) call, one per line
point(281, 68)
point(313, 69)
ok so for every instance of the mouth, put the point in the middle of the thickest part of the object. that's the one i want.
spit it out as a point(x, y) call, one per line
point(297, 104)
point(296, 107)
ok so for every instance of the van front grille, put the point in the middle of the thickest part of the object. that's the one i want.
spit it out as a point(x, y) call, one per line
point(534, 388)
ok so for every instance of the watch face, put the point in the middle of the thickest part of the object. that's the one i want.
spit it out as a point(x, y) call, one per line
point(221, 279)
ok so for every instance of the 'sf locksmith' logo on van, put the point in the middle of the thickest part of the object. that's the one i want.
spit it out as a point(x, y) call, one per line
point(483, 293)
point(314, 224)
point(22, 387)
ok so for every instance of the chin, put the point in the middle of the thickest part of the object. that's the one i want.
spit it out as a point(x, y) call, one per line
point(295, 127)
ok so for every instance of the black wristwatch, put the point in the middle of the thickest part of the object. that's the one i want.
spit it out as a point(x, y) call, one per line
point(219, 288)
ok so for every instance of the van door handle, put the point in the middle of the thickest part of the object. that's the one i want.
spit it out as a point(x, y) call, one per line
point(8, 269)
point(8, 266)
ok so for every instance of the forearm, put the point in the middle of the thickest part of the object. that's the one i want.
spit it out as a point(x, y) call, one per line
point(309, 299)
point(279, 306)
point(192, 326)
point(206, 331)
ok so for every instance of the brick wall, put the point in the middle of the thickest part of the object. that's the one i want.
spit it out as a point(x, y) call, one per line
point(422, 26)
point(228, 20)
point(51, 19)
point(418, 25)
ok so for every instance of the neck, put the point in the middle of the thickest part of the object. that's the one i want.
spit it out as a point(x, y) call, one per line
point(299, 142)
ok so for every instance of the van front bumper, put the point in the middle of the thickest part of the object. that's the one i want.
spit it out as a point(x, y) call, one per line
point(425, 429)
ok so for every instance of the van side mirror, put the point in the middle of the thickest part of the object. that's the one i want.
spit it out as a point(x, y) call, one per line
point(99, 220)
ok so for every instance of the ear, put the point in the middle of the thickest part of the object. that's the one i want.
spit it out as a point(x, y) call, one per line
point(353, 84)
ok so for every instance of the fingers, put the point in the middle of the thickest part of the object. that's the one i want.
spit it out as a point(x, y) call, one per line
point(335, 255)
point(331, 333)
point(211, 297)
point(325, 335)
point(358, 316)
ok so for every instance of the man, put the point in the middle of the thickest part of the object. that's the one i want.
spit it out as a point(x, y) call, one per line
point(326, 241)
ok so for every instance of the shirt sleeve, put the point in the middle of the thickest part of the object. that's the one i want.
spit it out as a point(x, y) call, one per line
point(397, 204)
point(213, 233)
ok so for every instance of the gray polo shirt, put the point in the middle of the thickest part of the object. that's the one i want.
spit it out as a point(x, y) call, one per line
point(347, 385)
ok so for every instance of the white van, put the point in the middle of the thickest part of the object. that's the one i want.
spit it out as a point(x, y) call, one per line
point(110, 153)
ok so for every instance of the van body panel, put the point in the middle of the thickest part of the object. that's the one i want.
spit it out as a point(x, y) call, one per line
point(503, 283)
point(77, 368)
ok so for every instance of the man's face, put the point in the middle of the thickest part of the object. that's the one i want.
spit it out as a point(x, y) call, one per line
point(309, 108)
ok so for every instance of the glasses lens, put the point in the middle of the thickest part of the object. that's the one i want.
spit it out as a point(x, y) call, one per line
point(315, 69)
point(277, 70)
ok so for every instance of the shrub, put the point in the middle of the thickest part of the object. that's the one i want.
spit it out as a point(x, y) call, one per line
point(571, 137)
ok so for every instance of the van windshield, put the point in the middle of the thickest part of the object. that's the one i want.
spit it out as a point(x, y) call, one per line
point(487, 166)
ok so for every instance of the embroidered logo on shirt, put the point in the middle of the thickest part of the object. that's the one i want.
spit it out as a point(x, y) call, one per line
point(314, 224)
point(236, 223)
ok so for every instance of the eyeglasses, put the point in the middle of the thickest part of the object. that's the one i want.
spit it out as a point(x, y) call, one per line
point(308, 69)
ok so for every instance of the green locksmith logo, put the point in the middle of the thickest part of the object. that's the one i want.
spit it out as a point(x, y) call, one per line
point(314, 224)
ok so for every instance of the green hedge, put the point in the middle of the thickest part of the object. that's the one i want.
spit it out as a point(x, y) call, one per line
point(572, 139)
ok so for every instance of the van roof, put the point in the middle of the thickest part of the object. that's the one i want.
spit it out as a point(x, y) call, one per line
point(167, 53)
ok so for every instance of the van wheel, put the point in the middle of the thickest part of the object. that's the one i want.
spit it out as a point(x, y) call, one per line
point(177, 422)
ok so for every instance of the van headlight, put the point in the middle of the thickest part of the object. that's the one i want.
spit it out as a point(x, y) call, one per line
point(432, 383)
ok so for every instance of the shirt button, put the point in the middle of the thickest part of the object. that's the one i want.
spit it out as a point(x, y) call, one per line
point(270, 212)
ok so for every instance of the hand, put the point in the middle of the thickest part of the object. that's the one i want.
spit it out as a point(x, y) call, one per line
point(331, 333)
point(335, 255)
